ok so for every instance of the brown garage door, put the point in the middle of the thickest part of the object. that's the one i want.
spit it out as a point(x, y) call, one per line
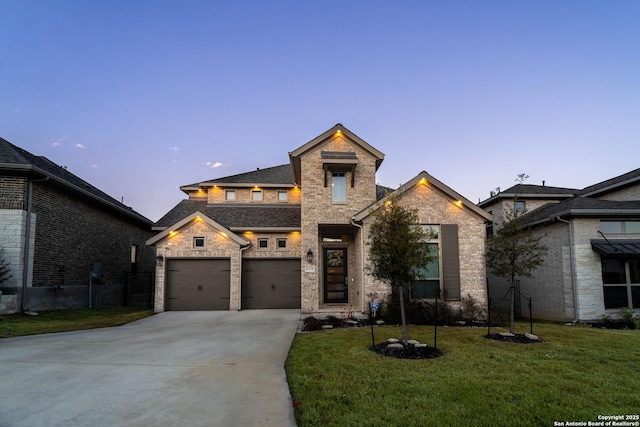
point(271, 283)
point(198, 284)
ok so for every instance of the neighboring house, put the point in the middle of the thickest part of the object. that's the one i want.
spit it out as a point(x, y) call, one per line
point(295, 235)
point(58, 230)
point(593, 235)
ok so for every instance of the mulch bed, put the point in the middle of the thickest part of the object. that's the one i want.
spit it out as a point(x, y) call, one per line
point(410, 352)
point(517, 338)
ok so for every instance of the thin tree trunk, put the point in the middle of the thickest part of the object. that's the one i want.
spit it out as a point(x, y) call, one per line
point(513, 306)
point(405, 335)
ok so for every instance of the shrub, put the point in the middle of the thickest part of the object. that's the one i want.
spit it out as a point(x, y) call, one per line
point(311, 324)
point(5, 271)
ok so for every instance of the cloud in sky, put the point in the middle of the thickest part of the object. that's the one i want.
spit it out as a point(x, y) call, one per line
point(213, 165)
point(174, 148)
point(80, 146)
point(94, 165)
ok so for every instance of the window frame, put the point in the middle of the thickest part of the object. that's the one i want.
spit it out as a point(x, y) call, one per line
point(626, 274)
point(280, 240)
point(197, 239)
point(431, 240)
point(254, 192)
point(263, 240)
point(230, 199)
point(286, 196)
point(335, 189)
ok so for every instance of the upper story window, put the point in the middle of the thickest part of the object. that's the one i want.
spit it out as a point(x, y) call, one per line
point(263, 244)
point(519, 206)
point(283, 195)
point(620, 227)
point(338, 187)
point(198, 243)
point(256, 195)
point(281, 243)
point(230, 195)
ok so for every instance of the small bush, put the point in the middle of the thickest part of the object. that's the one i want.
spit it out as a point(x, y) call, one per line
point(471, 310)
point(311, 324)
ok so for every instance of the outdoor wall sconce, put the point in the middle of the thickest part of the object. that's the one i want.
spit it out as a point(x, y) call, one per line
point(160, 259)
point(309, 256)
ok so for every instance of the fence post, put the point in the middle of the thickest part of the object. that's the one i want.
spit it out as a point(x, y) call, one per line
point(531, 314)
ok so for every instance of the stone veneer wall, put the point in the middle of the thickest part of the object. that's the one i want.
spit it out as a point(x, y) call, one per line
point(243, 195)
point(436, 208)
point(626, 194)
point(317, 208)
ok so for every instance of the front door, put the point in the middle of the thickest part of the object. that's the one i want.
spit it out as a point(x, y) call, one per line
point(335, 275)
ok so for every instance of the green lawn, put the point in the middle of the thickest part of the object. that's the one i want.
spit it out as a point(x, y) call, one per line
point(15, 325)
point(576, 374)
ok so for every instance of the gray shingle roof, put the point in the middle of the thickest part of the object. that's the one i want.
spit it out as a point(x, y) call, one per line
point(274, 175)
point(613, 183)
point(237, 215)
point(16, 159)
point(584, 206)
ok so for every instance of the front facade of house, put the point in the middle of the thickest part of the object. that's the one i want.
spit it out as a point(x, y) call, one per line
point(295, 235)
point(592, 267)
point(56, 229)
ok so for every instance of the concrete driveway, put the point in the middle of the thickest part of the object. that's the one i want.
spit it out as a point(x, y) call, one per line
point(218, 368)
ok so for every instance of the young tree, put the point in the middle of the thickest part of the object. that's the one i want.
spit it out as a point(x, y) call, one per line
point(514, 251)
point(396, 250)
point(5, 271)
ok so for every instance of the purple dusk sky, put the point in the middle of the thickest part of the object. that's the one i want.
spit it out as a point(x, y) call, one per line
point(141, 97)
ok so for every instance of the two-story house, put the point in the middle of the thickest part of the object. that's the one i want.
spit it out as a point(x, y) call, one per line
point(592, 267)
point(295, 235)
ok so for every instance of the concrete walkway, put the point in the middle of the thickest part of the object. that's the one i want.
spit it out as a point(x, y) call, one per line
point(218, 368)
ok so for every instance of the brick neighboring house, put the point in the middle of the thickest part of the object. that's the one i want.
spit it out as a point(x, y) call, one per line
point(56, 229)
point(593, 235)
point(295, 235)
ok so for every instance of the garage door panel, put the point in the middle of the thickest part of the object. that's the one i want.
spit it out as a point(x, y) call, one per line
point(271, 283)
point(202, 284)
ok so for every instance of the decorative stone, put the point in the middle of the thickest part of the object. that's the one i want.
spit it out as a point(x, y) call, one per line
point(352, 322)
point(531, 337)
point(395, 345)
point(379, 322)
point(393, 340)
point(414, 342)
point(420, 345)
point(507, 334)
point(327, 326)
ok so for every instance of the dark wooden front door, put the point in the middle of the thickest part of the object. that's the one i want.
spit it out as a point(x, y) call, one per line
point(336, 279)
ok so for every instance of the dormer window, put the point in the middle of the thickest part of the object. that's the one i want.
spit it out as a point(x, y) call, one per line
point(230, 195)
point(282, 196)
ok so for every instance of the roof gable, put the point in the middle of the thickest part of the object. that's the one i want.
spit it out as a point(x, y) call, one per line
point(529, 191)
point(197, 216)
point(618, 182)
point(337, 130)
point(423, 178)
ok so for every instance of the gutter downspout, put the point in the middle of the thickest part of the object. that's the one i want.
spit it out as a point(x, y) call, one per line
point(242, 249)
point(363, 297)
point(27, 240)
point(572, 267)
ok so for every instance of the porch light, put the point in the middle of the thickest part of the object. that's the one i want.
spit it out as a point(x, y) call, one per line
point(309, 256)
point(160, 259)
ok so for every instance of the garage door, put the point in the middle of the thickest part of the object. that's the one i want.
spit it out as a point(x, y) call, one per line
point(271, 283)
point(198, 284)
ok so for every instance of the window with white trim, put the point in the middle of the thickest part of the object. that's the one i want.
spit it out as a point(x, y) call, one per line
point(283, 195)
point(338, 187)
point(256, 195)
point(230, 195)
point(281, 243)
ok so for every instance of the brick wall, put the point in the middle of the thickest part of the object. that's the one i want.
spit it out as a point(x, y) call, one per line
point(436, 208)
point(74, 232)
point(180, 245)
point(317, 208)
point(13, 192)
